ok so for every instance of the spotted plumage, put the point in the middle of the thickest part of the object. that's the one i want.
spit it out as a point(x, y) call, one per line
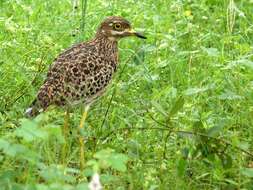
point(81, 73)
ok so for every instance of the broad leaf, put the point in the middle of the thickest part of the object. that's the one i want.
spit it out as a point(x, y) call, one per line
point(177, 106)
point(159, 108)
point(107, 158)
point(247, 172)
point(228, 95)
point(193, 91)
point(29, 131)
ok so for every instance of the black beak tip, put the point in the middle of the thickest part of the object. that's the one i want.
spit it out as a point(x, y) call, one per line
point(139, 35)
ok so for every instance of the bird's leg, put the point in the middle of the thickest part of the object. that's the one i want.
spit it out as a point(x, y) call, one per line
point(66, 124)
point(81, 139)
point(65, 134)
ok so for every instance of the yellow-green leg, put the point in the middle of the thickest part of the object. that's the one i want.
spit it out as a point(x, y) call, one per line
point(81, 139)
point(65, 134)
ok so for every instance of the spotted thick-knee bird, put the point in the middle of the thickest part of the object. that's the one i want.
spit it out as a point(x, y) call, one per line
point(81, 73)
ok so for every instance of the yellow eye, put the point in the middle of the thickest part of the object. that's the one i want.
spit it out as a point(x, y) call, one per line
point(117, 26)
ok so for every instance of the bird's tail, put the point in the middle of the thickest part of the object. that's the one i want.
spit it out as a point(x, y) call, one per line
point(33, 110)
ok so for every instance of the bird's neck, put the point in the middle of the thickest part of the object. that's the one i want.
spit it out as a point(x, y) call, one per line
point(107, 47)
point(100, 37)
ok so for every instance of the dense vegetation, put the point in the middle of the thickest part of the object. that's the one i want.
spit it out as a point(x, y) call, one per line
point(178, 114)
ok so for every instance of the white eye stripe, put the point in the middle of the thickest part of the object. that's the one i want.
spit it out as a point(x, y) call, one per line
point(113, 32)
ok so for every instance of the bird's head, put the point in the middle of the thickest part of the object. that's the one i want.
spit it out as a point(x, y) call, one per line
point(115, 28)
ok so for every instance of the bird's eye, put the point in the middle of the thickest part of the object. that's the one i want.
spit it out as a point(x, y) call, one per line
point(117, 26)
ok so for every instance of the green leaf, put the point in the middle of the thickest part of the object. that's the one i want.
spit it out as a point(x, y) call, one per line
point(248, 63)
point(204, 175)
point(181, 167)
point(247, 172)
point(55, 131)
point(29, 131)
point(244, 145)
point(226, 161)
point(215, 131)
point(198, 127)
point(177, 106)
point(193, 91)
point(16, 149)
point(4, 145)
point(82, 186)
point(185, 152)
point(107, 158)
point(57, 173)
point(163, 64)
point(118, 162)
point(133, 148)
point(212, 52)
point(153, 187)
point(107, 178)
point(228, 95)
point(10, 25)
point(159, 108)
point(60, 186)
point(245, 62)
point(8, 175)
point(41, 187)
point(232, 182)
point(149, 48)
point(12, 149)
point(139, 57)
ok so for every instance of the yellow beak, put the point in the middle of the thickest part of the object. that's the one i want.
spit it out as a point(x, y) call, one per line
point(139, 35)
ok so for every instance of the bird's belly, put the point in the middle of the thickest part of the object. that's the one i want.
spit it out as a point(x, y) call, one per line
point(89, 89)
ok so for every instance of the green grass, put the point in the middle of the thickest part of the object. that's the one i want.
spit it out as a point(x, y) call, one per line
point(180, 107)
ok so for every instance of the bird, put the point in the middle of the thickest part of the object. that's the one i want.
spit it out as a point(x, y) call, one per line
point(80, 74)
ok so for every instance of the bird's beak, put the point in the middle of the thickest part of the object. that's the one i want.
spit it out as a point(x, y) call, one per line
point(134, 33)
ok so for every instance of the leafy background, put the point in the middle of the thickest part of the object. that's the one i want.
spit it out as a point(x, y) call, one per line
point(178, 114)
